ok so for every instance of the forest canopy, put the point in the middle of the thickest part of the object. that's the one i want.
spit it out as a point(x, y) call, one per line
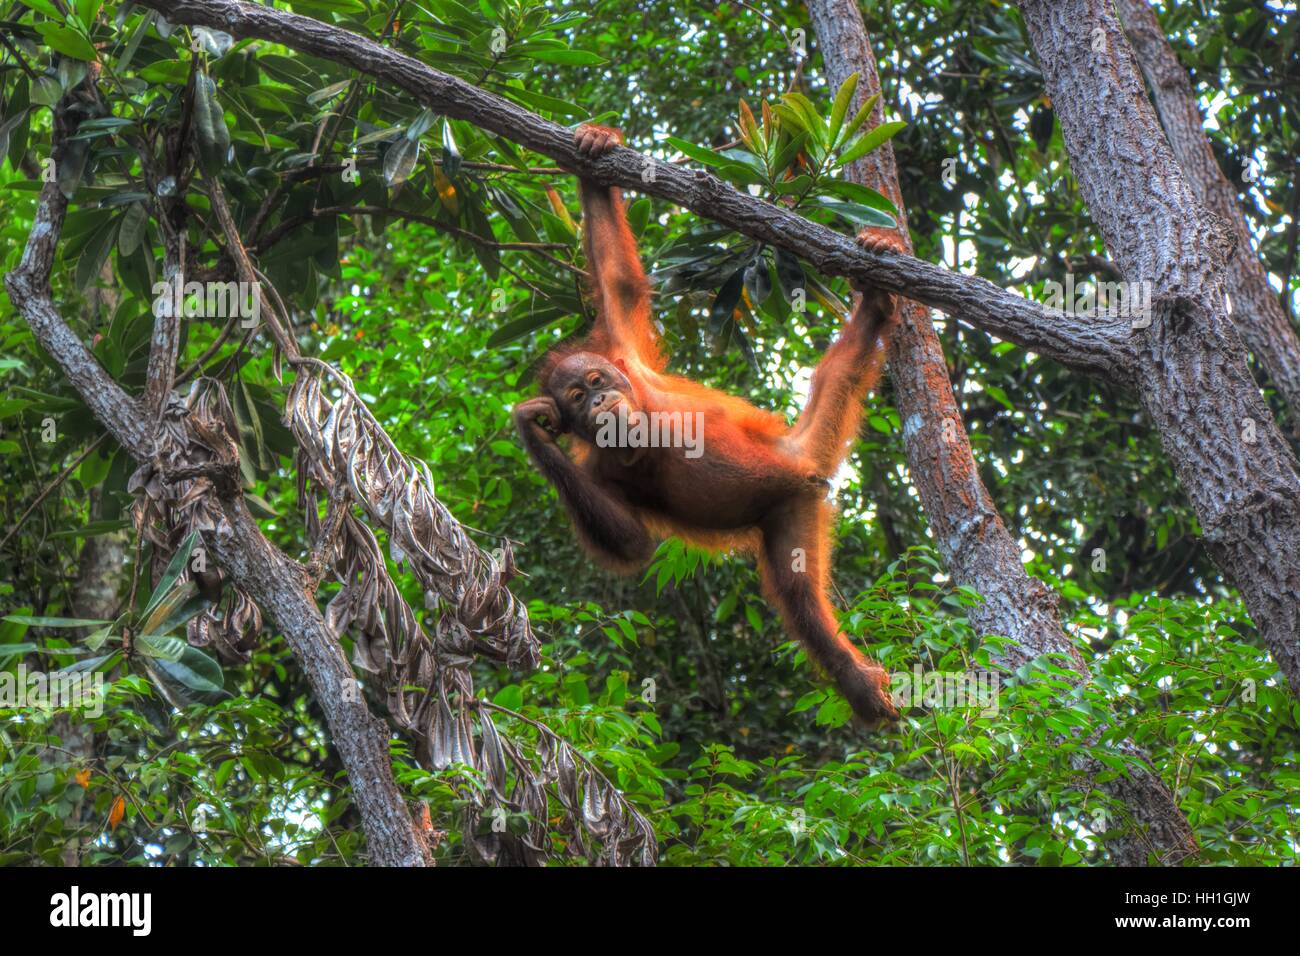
point(277, 275)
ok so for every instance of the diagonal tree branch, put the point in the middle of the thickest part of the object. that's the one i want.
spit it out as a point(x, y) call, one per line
point(1098, 345)
point(253, 563)
point(29, 289)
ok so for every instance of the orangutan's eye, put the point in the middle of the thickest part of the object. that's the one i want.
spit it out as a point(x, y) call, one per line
point(575, 395)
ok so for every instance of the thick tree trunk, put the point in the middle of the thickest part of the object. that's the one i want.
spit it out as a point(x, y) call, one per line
point(1189, 366)
point(99, 574)
point(966, 525)
point(1256, 310)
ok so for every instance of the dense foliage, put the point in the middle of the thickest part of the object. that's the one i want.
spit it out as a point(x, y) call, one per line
point(679, 684)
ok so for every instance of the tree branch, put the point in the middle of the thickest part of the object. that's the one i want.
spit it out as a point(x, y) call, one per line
point(274, 581)
point(29, 290)
point(1094, 344)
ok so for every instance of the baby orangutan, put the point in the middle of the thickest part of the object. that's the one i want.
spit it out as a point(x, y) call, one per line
point(756, 483)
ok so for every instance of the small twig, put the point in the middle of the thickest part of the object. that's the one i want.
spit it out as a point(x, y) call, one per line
point(350, 98)
point(4, 38)
point(211, 351)
point(244, 266)
point(477, 703)
point(49, 489)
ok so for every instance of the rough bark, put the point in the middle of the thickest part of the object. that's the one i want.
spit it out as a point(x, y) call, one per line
point(99, 571)
point(1189, 366)
point(967, 528)
point(99, 574)
point(279, 587)
point(273, 580)
point(1095, 345)
point(1256, 310)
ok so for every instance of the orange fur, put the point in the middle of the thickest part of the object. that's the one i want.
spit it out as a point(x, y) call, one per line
point(759, 485)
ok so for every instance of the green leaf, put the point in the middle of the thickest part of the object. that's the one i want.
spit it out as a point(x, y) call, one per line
point(45, 7)
point(326, 93)
point(94, 469)
point(563, 57)
point(786, 157)
point(36, 621)
point(161, 647)
point(859, 215)
point(863, 195)
point(93, 129)
point(518, 328)
point(95, 255)
point(400, 159)
point(72, 166)
point(71, 72)
point(841, 106)
point(66, 41)
point(869, 141)
point(808, 700)
point(510, 697)
point(812, 121)
point(19, 113)
point(698, 153)
point(196, 670)
point(46, 91)
point(133, 43)
point(638, 214)
point(86, 12)
point(329, 6)
point(421, 125)
point(541, 103)
point(223, 772)
point(134, 222)
point(92, 663)
point(176, 610)
point(860, 117)
point(450, 153)
point(12, 406)
point(175, 568)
